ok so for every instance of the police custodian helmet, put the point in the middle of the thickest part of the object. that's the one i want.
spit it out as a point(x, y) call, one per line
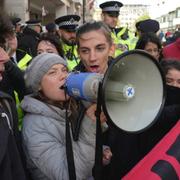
point(68, 22)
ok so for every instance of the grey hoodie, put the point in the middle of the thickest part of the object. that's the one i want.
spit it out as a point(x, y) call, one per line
point(44, 142)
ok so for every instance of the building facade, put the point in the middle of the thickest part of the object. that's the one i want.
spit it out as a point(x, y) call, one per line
point(168, 14)
point(170, 21)
point(129, 14)
point(46, 10)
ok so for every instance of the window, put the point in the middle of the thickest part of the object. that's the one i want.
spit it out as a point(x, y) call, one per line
point(178, 13)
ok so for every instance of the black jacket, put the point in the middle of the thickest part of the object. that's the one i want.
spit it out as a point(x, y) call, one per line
point(129, 149)
point(168, 118)
point(28, 41)
point(13, 80)
point(10, 162)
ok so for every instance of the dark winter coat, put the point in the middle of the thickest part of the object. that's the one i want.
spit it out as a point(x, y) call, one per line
point(13, 80)
point(28, 41)
point(10, 162)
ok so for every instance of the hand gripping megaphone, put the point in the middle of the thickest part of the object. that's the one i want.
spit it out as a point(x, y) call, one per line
point(132, 91)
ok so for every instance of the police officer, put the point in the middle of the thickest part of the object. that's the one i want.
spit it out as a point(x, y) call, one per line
point(28, 41)
point(67, 31)
point(123, 38)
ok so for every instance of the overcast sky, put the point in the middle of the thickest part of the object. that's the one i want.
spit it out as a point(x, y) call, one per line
point(155, 11)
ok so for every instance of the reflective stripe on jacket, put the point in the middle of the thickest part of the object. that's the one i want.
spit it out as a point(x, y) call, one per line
point(123, 44)
point(23, 63)
point(71, 55)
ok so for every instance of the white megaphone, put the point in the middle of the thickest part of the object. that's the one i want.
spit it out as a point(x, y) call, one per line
point(85, 86)
point(132, 91)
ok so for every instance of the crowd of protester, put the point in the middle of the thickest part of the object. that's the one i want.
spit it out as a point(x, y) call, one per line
point(39, 120)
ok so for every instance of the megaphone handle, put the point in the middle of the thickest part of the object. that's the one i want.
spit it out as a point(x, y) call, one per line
point(98, 153)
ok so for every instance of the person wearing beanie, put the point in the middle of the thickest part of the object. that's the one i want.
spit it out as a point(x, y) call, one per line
point(147, 26)
point(51, 28)
point(39, 67)
point(45, 132)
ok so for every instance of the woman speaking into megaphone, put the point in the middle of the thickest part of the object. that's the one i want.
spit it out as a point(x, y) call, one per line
point(46, 134)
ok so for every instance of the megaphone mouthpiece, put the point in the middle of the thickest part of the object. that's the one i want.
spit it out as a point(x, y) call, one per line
point(83, 85)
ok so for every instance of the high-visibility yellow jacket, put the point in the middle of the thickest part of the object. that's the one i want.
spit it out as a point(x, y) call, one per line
point(22, 64)
point(71, 55)
point(123, 39)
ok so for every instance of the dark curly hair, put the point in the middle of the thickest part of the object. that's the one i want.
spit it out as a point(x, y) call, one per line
point(148, 37)
point(53, 39)
point(168, 64)
point(6, 28)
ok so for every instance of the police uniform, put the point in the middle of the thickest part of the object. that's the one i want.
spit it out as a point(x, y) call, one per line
point(23, 59)
point(69, 23)
point(122, 37)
